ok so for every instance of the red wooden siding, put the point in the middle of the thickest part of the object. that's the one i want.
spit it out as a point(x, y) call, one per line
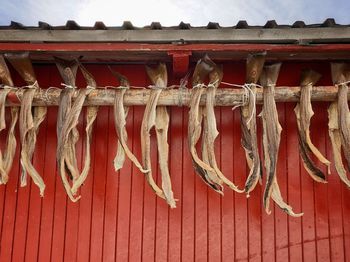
point(119, 218)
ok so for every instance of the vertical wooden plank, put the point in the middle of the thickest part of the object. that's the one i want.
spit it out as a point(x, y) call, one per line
point(35, 201)
point(294, 187)
point(254, 212)
point(110, 222)
point(60, 203)
point(138, 179)
point(241, 218)
point(161, 236)
point(281, 223)
point(188, 198)
point(149, 209)
point(227, 153)
point(321, 190)
point(346, 215)
point(125, 177)
point(86, 191)
point(163, 210)
point(177, 143)
point(9, 209)
point(149, 202)
point(214, 207)
point(308, 219)
point(110, 229)
point(20, 230)
point(335, 186)
point(3, 136)
point(136, 212)
point(72, 218)
point(99, 185)
point(2, 207)
point(201, 216)
point(268, 235)
point(50, 171)
point(49, 176)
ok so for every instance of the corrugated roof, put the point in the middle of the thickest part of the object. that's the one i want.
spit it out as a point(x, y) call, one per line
point(127, 25)
point(297, 33)
point(298, 41)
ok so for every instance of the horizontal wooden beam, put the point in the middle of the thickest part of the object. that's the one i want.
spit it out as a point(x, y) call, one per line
point(173, 97)
point(140, 52)
point(224, 35)
point(142, 47)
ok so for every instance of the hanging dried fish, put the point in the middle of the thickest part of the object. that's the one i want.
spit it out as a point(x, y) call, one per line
point(66, 155)
point(29, 122)
point(215, 77)
point(6, 158)
point(249, 140)
point(339, 119)
point(158, 117)
point(203, 169)
point(67, 121)
point(120, 114)
point(271, 140)
point(91, 114)
point(303, 111)
point(68, 70)
point(334, 134)
point(205, 154)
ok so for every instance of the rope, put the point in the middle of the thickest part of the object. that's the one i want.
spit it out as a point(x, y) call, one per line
point(237, 85)
point(34, 85)
point(67, 86)
point(246, 98)
point(247, 87)
point(343, 83)
point(8, 87)
point(16, 93)
point(181, 94)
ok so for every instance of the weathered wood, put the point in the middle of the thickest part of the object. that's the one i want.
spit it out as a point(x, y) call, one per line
point(174, 97)
point(224, 35)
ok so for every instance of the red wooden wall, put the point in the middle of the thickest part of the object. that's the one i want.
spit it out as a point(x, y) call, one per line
point(120, 219)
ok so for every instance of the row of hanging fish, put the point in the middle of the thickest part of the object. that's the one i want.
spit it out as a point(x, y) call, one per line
point(202, 126)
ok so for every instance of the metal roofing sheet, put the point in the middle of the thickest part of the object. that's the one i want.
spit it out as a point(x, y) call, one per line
point(127, 25)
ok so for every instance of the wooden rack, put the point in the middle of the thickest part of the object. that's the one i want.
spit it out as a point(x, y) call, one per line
point(173, 97)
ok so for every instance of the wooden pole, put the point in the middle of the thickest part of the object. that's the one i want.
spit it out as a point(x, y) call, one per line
point(172, 97)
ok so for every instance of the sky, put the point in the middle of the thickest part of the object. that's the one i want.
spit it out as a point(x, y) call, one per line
point(171, 12)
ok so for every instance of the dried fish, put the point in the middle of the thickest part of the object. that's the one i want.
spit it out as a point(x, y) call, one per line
point(215, 77)
point(158, 117)
point(271, 140)
point(334, 134)
point(203, 169)
point(161, 126)
point(91, 114)
point(249, 140)
point(303, 111)
point(6, 158)
point(339, 119)
point(29, 122)
point(120, 114)
point(205, 154)
point(69, 124)
point(68, 70)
